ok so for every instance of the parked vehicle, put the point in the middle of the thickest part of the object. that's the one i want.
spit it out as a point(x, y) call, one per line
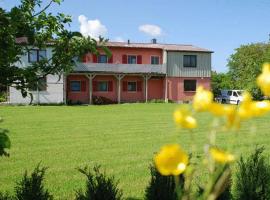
point(230, 96)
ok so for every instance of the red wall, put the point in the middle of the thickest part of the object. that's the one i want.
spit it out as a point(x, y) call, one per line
point(118, 52)
point(109, 94)
point(74, 97)
point(156, 88)
point(175, 87)
point(127, 96)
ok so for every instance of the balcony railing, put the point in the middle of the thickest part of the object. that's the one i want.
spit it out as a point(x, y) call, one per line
point(120, 68)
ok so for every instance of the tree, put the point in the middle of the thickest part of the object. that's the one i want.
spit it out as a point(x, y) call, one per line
point(30, 25)
point(220, 81)
point(245, 65)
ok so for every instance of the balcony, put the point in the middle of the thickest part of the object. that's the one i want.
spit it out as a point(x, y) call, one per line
point(120, 68)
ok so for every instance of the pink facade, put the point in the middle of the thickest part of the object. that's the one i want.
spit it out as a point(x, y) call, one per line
point(133, 84)
point(117, 55)
point(175, 87)
point(78, 96)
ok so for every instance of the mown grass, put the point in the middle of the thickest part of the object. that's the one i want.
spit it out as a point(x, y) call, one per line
point(121, 138)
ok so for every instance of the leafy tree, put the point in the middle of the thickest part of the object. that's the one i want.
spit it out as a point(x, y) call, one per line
point(29, 25)
point(245, 65)
point(220, 81)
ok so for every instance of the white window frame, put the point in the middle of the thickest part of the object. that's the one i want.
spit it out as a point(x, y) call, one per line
point(136, 59)
point(136, 86)
point(107, 85)
point(158, 59)
point(102, 55)
point(75, 81)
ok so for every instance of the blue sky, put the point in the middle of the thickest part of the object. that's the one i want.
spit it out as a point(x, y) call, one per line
point(218, 25)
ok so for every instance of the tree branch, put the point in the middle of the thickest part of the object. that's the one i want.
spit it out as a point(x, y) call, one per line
point(45, 8)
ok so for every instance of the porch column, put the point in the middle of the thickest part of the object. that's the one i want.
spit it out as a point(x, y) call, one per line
point(91, 77)
point(119, 77)
point(146, 87)
point(166, 90)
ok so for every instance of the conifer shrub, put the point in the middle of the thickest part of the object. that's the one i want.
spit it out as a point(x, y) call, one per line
point(252, 178)
point(31, 187)
point(98, 186)
point(162, 187)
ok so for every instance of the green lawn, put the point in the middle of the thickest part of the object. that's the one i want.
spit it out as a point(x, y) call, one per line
point(122, 138)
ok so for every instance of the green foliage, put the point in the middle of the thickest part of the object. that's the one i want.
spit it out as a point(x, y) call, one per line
point(40, 29)
point(32, 187)
point(252, 181)
point(5, 196)
point(220, 81)
point(245, 65)
point(3, 96)
point(98, 186)
point(162, 187)
point(4, 141)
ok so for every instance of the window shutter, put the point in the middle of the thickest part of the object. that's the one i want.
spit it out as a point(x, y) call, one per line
point(139, 86)
point(83, 86)
point(110, 86)
point(94, 86)
point(68, 85)
point(94, 58)
point(139, 59)
point(125, 86)
point(124, 59)
point(84, 58)
point(111, 59)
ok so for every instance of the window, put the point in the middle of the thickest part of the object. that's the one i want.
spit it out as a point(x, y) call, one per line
point(40, 85)
point(102, 59)
point(132, 59)
point(190, 61)
point(229, 93)
point(35, 55)
point(190, 85)
point(102, 86)
point(154, 60)
point(75, 86)
point(235, 94)
point(132, 86)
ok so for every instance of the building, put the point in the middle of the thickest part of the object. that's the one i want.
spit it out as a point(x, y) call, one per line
point(136, 72)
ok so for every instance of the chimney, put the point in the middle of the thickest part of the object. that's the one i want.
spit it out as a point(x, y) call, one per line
point(128, 41)
point(154, 41)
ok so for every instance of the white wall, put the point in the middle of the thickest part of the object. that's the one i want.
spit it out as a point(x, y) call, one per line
point(53, 94)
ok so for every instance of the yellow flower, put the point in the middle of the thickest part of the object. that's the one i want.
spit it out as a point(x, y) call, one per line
point(263, 80)
point(183, 117)
point(245, 111)
point(221, 156)
point(260, 107)
point(202, 99)
point(171, 160)
point(249, 108)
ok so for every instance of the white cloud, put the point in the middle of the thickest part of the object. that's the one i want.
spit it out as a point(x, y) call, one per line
point(118, 39)
point(92, 28)
point(152, 30)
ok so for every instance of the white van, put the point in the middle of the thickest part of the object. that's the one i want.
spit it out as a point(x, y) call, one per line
point(231, 96)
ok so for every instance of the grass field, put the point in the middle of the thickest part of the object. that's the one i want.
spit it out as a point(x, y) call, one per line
point(122, 138)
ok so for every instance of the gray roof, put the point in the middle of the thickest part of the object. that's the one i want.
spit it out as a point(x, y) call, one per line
point(168, 47)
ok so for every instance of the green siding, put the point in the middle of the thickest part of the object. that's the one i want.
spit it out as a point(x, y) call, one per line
point(175, 66)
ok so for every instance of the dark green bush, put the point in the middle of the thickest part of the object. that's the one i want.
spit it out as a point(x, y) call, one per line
point(5, 196)
point(98, 186)
point(252, 180)
point(32, 187)
point(162, 187)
